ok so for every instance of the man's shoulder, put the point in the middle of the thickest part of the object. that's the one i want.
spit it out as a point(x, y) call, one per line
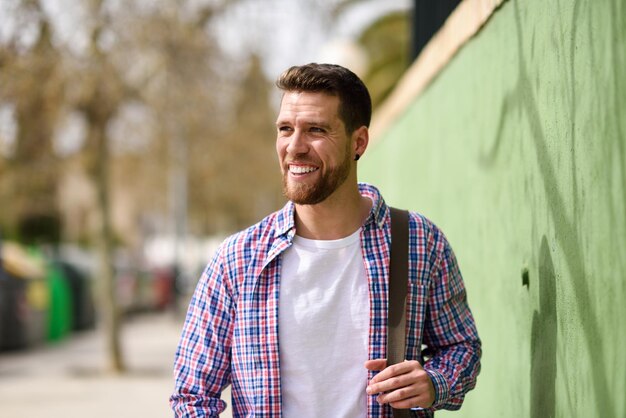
point(425, 228)
point(420, 222)
point(430, 236)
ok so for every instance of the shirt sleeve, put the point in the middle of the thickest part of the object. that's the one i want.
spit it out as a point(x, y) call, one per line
point(450, 335)
point(202, 361)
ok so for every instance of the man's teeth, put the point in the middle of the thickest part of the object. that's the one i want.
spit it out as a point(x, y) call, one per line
point(295, 169)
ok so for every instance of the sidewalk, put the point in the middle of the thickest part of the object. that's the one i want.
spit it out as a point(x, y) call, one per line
point(66, 379)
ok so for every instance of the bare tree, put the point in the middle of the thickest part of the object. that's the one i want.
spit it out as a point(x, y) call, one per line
point(100, 93)
point(175, 54)
point(32, 82)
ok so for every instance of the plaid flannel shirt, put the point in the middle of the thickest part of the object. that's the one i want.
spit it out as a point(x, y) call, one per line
point(231, 329)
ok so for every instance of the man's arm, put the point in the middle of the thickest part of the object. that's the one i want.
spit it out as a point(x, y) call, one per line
point(450, 332)
point(452, 345)
point(202, 363)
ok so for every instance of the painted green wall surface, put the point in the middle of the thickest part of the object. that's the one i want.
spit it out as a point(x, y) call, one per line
point(518, 152)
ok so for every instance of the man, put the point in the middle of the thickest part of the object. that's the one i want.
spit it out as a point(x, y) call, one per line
point(292, 312)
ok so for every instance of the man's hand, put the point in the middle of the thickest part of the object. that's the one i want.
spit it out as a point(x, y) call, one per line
point(403, 385)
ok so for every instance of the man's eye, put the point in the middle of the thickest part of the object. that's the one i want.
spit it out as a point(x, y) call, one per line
point(316, 129)
point(284, 129)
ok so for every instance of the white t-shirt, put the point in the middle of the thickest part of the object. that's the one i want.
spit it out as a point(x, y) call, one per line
point(323, 329)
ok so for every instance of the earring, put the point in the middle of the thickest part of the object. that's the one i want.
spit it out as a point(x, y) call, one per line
point(356, 157)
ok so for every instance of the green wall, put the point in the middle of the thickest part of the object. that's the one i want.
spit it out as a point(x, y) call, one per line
point(518, 152)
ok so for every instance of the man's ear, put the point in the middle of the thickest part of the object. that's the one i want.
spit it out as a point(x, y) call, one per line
point(360, 140)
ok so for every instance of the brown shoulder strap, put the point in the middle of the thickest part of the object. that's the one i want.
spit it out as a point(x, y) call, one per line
point(398, 282)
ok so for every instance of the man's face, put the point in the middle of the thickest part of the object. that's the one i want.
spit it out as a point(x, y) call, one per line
point(312, 145)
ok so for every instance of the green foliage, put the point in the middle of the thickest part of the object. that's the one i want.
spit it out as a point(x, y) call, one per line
point(387, 44)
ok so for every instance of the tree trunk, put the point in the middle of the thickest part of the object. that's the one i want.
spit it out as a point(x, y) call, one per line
point(108, 300)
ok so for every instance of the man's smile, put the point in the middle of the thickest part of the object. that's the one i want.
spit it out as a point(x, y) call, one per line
point(301, 169)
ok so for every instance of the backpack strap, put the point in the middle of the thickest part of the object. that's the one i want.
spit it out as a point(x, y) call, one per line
point(398, 282)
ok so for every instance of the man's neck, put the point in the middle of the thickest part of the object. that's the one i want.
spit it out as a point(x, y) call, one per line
point(336, 217)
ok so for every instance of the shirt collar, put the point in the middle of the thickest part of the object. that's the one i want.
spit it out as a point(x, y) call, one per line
point(379, 208)
point(285, 221)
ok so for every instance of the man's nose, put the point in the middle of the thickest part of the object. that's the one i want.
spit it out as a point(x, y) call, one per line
point(297, 144)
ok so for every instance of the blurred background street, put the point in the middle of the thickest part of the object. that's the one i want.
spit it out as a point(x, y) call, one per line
point(69, 379)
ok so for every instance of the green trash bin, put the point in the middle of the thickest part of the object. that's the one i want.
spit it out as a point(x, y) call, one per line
point(60, 313)
point(60, 307)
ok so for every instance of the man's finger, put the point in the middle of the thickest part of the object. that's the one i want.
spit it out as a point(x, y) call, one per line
point(398, 395)
point(401, 383)
point(376, 364)
point(396, 370)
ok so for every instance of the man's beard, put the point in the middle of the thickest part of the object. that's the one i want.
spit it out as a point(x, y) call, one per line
point(311, 194)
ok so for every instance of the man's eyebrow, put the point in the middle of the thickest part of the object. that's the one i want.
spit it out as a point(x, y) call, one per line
point(319, 124)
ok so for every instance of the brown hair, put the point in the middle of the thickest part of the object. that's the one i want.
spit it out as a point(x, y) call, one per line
point(355, 104)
